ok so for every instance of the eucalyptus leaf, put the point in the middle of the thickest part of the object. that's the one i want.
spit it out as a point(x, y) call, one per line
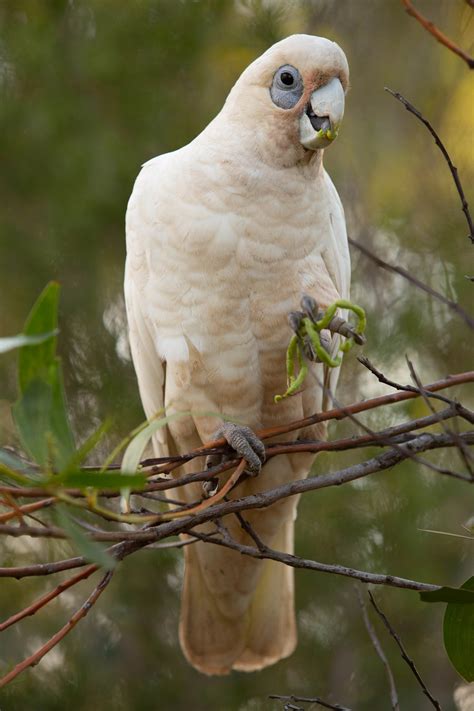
point(447, 594)
point(133, 454)
point(86, 447)
point(113, 481)
point(458, 630)
point(40, 412)
point(35, 360)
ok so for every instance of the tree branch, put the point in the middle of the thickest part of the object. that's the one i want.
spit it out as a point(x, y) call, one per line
point(405, 656)
point(381, 654)
point(437, 34)
point(32, 660)
point(453, 305)
point(454, 171)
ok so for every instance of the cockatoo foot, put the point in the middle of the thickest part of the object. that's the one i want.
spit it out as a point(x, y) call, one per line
point(310, 309)
point(245, 443)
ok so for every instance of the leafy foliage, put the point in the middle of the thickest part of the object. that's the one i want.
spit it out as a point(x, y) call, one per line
point(459, 634)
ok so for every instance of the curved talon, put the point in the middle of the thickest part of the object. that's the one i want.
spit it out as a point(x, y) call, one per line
point(245, 442)
point(209, 487)
point(295, 319)
point(309, 306)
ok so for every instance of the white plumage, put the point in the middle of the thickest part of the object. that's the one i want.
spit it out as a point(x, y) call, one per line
point(223, 238)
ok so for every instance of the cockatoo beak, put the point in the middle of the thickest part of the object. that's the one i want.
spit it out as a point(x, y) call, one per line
point(319, 124)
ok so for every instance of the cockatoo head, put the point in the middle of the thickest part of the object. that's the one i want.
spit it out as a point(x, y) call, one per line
point(291, 99)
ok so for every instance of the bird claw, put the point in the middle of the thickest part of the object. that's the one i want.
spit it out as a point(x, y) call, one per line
point(310, 309)
point(245, 443)
point(295, 319)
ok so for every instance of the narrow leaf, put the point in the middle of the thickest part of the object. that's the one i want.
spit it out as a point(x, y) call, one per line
point(32, 417)
point(458, 631)
point(447, 594)
point(35, 360)
point(98, 480)
point(133, 453)
point(41, 413)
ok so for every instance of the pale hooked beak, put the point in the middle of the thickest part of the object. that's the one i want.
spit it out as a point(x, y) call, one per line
point(319, 124)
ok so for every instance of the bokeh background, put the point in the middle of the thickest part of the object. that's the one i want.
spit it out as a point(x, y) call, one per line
point(89, 90)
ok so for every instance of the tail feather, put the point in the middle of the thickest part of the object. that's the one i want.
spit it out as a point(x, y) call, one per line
point(216, 643)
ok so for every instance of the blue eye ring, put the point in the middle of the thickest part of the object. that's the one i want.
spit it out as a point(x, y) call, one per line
point(287, 87)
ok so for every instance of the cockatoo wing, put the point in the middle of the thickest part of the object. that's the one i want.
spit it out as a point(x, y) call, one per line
point(149, 367)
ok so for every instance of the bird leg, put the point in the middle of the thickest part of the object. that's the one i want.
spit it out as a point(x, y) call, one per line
point(245, 444)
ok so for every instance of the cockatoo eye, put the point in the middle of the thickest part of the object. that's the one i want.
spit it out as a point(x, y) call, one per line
point(287, 78)
point(287, 87)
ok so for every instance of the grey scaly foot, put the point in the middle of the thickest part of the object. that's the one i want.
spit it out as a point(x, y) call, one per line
point(245, 443)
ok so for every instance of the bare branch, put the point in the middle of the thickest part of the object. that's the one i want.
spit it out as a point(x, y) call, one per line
point(27, 571)
point(405, 656)
point(45, 599)
point(378, 648)
point(437, 34)
point(55, 639)
point(308, 700)
point(463, 450)
point(453, 305)
point(454, 171)
point(296, 562)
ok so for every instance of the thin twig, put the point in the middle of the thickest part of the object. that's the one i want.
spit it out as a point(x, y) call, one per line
point(453, 305)
point(378, 648)
point(32, 660)
point(437, 34)
point(463, 450)
point(303, 563)
point(45, 599)
point(310, 700)
point(20, 511)
point(404, 654)
point(454, 171)
point(394, 444)
point(26, 571)
point(337, 413)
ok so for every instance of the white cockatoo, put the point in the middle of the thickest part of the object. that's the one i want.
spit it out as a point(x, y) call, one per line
point(224, 238)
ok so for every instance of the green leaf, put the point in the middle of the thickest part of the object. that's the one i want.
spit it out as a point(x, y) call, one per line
point(98, 480)
point(40, 413)
point(35, 360)
point(41, 419)
point(133, 453)
point(458, 631)
point(12, 342)
point(32, 416)
point(86, 447)
point(93, 551)
point(447, 594)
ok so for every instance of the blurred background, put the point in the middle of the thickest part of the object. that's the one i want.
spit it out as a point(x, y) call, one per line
point(89, 90)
